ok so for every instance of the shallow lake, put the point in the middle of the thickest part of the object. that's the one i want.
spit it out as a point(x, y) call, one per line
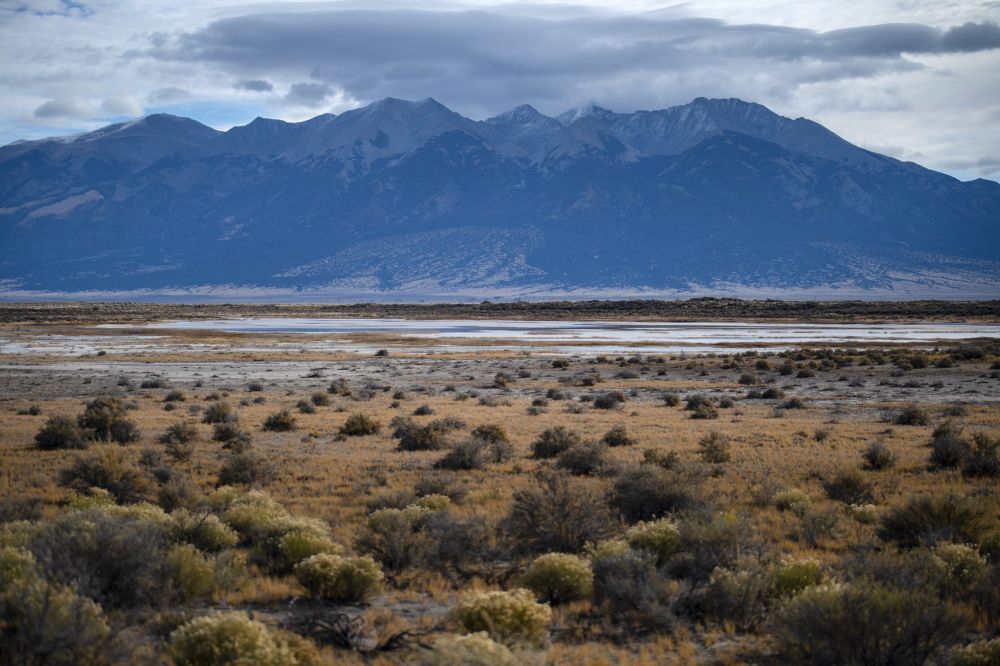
point(600, 336)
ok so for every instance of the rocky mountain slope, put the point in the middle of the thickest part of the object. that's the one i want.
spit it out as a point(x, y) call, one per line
point(412, 198)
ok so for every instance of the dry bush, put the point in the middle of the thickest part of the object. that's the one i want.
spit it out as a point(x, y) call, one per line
point(232, 436)
point(557, 514)
point(583, 458)
point(825, 625)
point(849, 485)
point(359, 425)
point(629, 590)
point(714, 448)
point(647, 492)
point(878, 457)
point(218, 412)
point(554, 441)
point(105, 419)
point(246, 469)
point(618, 436)
point(983, 458)
point(475, 453)
point(61, 432)
point(281, 421)
point(930, 519)
point(913, 415)
point(111, 470)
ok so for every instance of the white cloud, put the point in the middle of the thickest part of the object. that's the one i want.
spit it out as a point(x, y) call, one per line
point(121, 105)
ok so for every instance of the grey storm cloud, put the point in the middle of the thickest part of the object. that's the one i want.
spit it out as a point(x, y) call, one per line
point(167, 95)
point(63, 108)
point(485, 59)
point(254, 85)
point(308, 94)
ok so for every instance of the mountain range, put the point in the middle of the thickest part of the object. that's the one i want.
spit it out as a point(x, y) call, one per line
point(410, 199)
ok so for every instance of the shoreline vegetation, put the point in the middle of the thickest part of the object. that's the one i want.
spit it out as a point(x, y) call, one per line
point(696, 309)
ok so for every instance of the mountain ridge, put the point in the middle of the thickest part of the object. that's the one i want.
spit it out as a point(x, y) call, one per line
point(402, 196)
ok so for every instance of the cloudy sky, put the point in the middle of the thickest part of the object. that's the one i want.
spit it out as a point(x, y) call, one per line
point(916, 79)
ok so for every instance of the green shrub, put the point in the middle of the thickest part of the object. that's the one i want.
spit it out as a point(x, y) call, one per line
point(397, 538)
point(282, 421)
point(866, 514)
point(661, 538)
point(110, 470)
point(959, 562)
point(982, 653)
point(792, 499)
point(61, 432)
point(554, 441)
point(476, 649)
point(301, 544)
point(559, 577)
point(791, 576)
point(192, 573)
point(509, 617)
point(205, 531)
point(44, 623)
point(113, 554)
point(926, 520)
point(865, 623)
point(280, 539)
point(358, 425)
point(336, 578)
point(228, 638)
point(714, 448)
point(849, 485)
point(434, 502)
point(320, 399)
